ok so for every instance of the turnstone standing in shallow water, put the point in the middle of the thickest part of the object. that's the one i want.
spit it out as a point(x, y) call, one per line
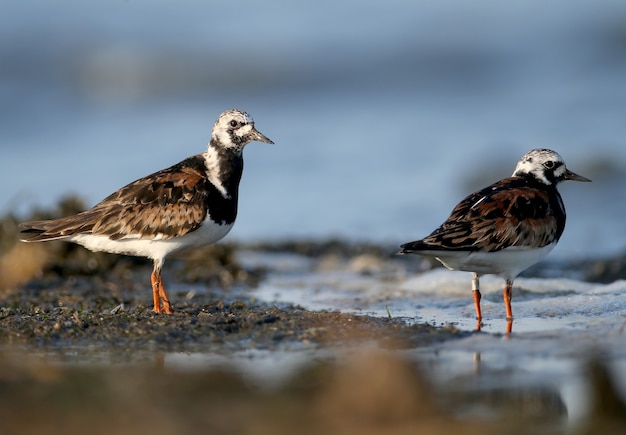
point(188, 205)
point(504, 228)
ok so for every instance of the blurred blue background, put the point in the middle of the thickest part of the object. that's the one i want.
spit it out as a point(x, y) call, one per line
point(385, 113)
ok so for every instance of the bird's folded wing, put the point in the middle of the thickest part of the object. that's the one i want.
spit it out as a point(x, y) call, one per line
point(501, 216)
point(166, 204)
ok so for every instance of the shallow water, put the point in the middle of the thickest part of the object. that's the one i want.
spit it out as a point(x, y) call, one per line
point(559, 323)
point(537, 372)
point(441, 296)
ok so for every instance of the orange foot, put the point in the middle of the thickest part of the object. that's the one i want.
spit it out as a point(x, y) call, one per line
point(159, 296)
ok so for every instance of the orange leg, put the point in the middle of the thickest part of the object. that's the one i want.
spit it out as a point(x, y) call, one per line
point(477, 297)
point(159, 296)
point(155, 292)
point(507, 299)
point(167, 307)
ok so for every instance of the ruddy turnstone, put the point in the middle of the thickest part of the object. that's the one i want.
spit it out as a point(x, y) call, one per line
point(504, 228)
point(188, 205)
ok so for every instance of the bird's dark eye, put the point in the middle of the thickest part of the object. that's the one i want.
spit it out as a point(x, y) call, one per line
point(549, 164)
point(233, 123)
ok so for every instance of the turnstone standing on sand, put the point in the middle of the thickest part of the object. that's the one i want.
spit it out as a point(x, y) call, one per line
point(188, 205)
point(504, 228)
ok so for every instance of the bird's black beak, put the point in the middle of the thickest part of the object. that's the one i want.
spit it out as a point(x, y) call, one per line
point(569, 175)
point(259, 137)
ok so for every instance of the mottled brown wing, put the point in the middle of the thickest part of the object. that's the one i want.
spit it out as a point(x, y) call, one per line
point(166, 204)
point(505, 214)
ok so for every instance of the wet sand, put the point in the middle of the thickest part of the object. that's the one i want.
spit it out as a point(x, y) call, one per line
point(83, 351)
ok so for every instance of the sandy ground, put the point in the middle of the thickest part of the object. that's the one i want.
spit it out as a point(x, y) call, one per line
point(82, 351)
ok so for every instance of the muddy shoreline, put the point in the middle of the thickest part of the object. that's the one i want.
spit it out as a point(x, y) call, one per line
point(210, 328)
point(79, 298)
point(81, 349)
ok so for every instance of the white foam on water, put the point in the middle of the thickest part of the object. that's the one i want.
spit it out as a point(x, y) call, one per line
point(444, 297)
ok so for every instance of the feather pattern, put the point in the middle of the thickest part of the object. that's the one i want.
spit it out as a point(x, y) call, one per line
point(509, 213)
point(167, 204)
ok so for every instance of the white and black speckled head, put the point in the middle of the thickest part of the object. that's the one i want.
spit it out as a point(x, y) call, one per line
point(234, 129)
point(545, 166)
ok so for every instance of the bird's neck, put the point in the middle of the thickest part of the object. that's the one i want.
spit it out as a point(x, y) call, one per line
point(224, 167)
point(533, 180)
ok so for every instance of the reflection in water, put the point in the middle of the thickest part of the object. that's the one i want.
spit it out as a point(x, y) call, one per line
point(333, 390)
point(562, 394)
point(535, 404)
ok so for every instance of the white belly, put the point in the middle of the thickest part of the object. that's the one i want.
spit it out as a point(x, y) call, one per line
point(507, 262)
point(207, 234)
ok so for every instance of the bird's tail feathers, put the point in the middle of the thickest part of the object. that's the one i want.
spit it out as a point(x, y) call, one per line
point(414, 247)
point(45, 230)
